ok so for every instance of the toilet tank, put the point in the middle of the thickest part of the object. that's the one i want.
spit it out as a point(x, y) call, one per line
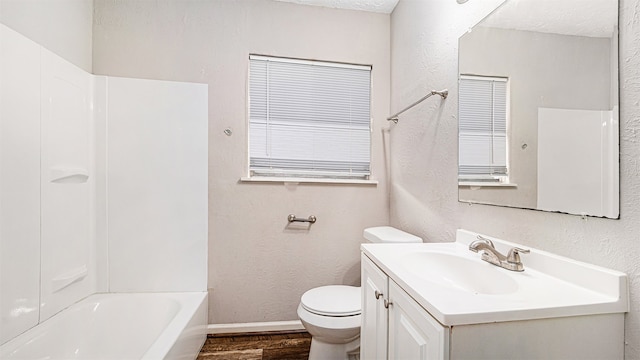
point(388, 234)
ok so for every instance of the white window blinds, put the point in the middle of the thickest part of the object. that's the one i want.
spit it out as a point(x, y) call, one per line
point(482, 127)
point(309, 119)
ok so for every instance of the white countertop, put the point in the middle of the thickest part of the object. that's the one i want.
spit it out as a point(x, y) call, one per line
point(550, 286)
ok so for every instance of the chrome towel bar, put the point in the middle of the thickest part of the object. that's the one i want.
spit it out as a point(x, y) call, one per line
point(292, 218)
point(443, 93)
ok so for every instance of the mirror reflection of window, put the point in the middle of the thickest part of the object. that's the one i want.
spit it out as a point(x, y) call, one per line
point(483, 107)
point(558, 55)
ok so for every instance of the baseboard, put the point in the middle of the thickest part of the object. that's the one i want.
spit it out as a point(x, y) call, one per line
point(292, 325)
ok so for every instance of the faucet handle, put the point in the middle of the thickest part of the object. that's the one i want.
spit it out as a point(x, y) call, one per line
point(488, 241)
point(514, 255)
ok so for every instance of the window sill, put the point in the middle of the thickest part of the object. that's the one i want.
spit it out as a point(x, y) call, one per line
point(474, 185)
point(286, 180)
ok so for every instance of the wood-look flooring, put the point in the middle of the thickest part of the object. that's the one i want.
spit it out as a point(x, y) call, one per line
point(263, 346)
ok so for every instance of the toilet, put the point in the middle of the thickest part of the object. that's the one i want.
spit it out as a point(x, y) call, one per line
point(331, 314)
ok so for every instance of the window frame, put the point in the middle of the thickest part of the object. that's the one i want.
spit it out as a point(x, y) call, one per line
point(299, 176)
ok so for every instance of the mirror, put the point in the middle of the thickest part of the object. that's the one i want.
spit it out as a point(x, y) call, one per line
point(538, 107)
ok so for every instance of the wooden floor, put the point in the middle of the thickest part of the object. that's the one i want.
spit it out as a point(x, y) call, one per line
point(264, 346)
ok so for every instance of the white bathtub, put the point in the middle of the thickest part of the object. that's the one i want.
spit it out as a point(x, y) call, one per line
point(118, 327)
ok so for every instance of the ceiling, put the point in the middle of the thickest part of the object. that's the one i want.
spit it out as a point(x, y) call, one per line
point(570, 17)
point(597, 18)
point(379, 6)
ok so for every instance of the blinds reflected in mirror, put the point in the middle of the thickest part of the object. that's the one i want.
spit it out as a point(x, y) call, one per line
point(482, 128)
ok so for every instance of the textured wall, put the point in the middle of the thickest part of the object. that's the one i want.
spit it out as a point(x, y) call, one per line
point(258, 268)
point(62, 26)
point(424, 190)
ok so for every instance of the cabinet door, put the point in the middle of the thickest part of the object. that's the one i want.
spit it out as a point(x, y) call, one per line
point(413, 333)
point(373, 332)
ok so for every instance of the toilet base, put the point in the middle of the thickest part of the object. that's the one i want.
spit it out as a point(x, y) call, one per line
point(321, 350)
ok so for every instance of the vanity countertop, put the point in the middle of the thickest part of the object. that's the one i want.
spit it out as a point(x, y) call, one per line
point(550, 285)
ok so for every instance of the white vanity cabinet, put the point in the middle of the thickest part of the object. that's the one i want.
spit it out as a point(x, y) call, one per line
point(394, 326)
point(373, 331)
point(558, 308)
point(413, 333)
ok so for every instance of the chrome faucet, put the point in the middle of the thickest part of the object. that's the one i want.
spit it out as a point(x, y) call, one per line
point(491, 255)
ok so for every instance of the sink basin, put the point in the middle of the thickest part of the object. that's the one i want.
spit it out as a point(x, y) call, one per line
point(459, 273)
point(457, 288)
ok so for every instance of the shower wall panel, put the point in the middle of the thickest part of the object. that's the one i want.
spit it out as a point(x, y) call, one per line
point(19, 183)
point(103, 184)
point(157, 185)
point(46, 184)
point(66, 177)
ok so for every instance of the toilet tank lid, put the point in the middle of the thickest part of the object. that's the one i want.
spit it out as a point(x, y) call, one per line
point(388, 234)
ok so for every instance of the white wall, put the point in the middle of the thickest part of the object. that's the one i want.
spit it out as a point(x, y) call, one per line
point(424, 191)
point(62, 26)
point(258, 267)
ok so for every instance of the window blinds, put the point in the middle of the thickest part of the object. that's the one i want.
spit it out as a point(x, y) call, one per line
point(309, 119)
point(482, 127)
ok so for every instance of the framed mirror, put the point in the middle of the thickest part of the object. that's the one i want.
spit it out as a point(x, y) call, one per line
point(538, 107)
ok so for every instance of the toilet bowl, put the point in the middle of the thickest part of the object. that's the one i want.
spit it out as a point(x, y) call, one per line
point(332, 314)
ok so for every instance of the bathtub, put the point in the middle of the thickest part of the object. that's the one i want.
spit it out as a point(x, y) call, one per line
point(118, 327)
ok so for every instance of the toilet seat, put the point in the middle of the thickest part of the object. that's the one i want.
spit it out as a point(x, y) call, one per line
point(312, 322)
point(332, 300)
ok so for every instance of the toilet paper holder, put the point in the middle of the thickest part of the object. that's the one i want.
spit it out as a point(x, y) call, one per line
point(292, 218)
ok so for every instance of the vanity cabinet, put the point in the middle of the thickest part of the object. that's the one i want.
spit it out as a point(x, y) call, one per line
point(413, 333)
point(373, 331)
point(394, 326)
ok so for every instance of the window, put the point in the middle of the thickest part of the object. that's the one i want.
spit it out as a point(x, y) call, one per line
point(309, 119)
point(483, 129)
